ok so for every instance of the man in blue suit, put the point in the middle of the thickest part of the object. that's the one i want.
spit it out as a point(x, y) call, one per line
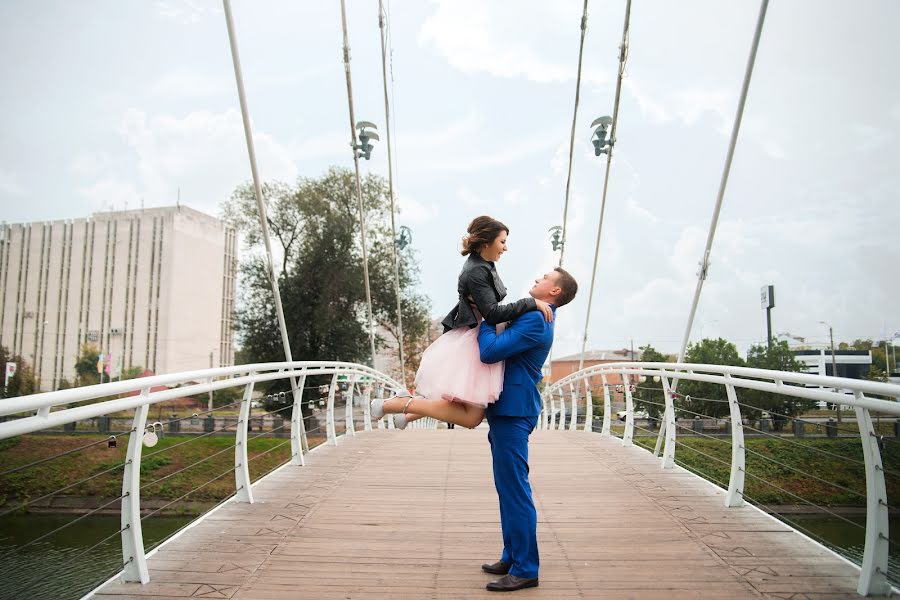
point(524, 345)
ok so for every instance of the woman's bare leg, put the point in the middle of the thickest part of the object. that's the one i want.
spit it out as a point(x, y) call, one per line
point(459, 413)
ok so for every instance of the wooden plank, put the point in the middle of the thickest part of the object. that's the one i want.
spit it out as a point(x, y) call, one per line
point(413, 514)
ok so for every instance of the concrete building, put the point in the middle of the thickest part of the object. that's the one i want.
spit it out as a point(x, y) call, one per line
point(151, 288)
point(850, 363)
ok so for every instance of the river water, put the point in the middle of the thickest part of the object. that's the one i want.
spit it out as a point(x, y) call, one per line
point(62, 568)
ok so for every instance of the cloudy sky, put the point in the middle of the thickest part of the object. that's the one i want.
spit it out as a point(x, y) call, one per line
point(118, 104)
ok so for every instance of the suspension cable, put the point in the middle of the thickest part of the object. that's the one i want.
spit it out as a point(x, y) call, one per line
point(257, 188)
point(584, 17)
point(387, 121)
point(359, 200)
point(623, 57)
point(736, 128)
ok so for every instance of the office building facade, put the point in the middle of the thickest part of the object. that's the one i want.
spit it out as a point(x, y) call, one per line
point(152, 288)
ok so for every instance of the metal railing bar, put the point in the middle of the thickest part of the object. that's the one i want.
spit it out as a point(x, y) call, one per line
point(192, 439)
point(61, 454)
point(69, 524)
point(680, 396)
point(269, 432)
point(205, 412)
point(804, 500)
point(183, 496)
point(639, 399)
point(690, 412)
point(71, 485)
point(724, 439)
point(804, 473)
point(190, 466)
point(272, 449)
point(811, 448)
point(272, 412)
point(790, 418)
point(709, 456)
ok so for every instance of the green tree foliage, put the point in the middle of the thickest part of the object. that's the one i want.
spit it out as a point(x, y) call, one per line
point(777, 358)
point(709, 399)
point(86, 366)
point(649, 395)
point(23, 382)
point(314, 226)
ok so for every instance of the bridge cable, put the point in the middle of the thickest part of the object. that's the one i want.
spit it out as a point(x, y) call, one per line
point(362, 217)
point(387, 120)
point(584, 17)
point(257, 188)
point(623, 58)
point(704, 261)
point(562, 248)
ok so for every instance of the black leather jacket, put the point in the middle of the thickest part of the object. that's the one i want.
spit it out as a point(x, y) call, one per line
point(479, 279)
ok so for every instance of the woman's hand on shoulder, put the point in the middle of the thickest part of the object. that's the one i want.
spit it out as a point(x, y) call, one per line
point(545, 309)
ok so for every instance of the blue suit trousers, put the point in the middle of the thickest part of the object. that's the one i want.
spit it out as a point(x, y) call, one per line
point(508, 437)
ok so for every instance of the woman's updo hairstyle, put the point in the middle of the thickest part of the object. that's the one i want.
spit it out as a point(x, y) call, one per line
point(482, 231)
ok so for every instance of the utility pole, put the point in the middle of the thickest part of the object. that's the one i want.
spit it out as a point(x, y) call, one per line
point(833, 364)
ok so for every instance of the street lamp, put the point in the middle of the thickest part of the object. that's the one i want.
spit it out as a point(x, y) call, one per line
point(833, 362)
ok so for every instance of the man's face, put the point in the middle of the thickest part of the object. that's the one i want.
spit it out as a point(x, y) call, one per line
point(545, 287)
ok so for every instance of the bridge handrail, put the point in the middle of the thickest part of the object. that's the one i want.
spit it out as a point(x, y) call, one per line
point(874, 568)
point(246, 376)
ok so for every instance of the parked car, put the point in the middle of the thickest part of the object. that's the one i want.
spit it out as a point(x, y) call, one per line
point(638, 414)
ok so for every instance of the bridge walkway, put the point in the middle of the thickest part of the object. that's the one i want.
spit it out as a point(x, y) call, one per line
point(413, 514)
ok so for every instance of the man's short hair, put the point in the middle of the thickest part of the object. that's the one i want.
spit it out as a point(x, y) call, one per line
point(567, 285)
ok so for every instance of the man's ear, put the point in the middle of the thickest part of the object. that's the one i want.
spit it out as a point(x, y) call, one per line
point(556, 291)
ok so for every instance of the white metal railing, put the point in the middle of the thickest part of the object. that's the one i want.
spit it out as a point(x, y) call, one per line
point(836, 390)
point(43, 411)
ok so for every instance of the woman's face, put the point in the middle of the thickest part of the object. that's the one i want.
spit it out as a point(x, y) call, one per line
point(496, 249)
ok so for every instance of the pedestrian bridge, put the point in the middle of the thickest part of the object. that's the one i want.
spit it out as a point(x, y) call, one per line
point(413, 514)
point(377, 512)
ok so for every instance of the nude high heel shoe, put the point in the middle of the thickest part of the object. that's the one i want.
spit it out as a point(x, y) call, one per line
point(376, 408)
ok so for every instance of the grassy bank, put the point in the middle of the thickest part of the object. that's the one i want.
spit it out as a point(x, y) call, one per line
point(167, 458)
point(794, 466)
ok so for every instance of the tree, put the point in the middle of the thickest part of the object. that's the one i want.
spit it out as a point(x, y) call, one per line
point(86, 366)
point(708, 399)
point(651, 392)
point(777, 358)
point(314, 226)
point(23, 382)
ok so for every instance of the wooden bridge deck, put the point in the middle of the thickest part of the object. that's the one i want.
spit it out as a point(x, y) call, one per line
point(413, 514)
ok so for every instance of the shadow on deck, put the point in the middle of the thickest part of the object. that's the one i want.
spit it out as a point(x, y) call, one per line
point(413, 514)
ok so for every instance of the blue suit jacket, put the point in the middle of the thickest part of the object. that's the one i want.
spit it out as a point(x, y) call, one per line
point(524, 345)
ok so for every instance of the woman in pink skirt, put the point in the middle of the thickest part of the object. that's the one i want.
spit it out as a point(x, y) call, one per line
point(452, 384)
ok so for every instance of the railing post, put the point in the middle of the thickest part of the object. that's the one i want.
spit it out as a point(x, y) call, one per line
point(668, 456)
point(348, 409)
point(544, 420)
point(561, 423)
point(132, 536)
point(331, 434)
point(299, 442)
point(662, 428)
point(243, 492)
point(573, 421)
point(628, 436)
point(735, 495)
point(367, 400)
point(552, 421)
point(588, 407)
point(873, 574)
point(607, 408)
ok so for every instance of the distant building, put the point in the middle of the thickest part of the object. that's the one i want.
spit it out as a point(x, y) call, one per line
point(566, 365)
point(853, 364)
point(151, 288)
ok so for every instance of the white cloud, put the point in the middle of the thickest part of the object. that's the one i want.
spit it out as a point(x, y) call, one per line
point(413, 211)
point(201, 151)
point(183, 11)
point(184, 83)
point(111, 194)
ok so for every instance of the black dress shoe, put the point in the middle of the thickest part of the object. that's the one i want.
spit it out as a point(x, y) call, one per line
point(511, 583)
point(498, 568)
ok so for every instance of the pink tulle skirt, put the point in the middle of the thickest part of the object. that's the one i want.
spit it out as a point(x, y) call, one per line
point(451, 369)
